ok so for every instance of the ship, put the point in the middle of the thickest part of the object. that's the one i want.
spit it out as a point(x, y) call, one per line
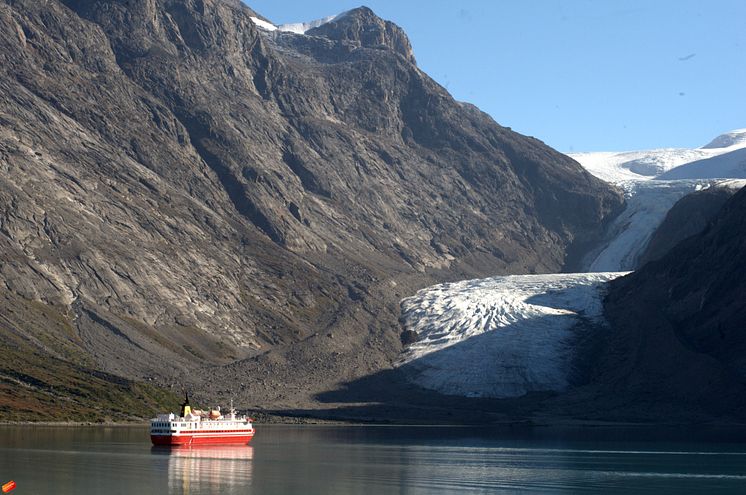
point(197, 427)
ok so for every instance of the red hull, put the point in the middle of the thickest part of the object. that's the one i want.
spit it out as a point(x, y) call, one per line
point(187, 439)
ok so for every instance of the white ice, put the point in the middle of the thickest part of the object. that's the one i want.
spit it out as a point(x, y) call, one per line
point(677, 172)
point(626, 238)
point(302, 27)
point(501, 336)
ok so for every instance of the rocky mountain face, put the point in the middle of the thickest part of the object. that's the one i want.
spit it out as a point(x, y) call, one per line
point(183, 191)
point(688, 216)
point(676, 347)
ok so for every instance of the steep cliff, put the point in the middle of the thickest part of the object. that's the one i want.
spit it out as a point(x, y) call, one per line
point(676, 347)
point(689, 216)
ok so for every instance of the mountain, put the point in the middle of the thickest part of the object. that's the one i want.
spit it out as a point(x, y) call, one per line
point(676, 347)
point(688, 216)
point(201, 201)
point(728, 140)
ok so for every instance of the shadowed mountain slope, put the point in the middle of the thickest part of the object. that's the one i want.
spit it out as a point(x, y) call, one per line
point(689, 216)
point(677, 346)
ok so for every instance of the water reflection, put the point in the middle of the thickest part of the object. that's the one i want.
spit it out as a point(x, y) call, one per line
point(207, 469)
point(353, 460)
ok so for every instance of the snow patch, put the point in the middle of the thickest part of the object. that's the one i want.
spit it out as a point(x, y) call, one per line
point(302, 27)
point(501, 336)
point(296, 27)
point(732, 183)
point(268, 26)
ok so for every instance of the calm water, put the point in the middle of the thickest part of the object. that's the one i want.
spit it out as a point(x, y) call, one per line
point(376, 459)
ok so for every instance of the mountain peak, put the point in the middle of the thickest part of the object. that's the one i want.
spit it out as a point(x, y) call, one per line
point(728, 139)
point(361, 25)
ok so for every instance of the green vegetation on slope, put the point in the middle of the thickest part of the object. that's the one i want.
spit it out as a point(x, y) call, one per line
point(45, 374)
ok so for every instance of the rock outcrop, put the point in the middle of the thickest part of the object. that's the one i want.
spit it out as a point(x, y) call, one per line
point(676, 348)
point(689, 216)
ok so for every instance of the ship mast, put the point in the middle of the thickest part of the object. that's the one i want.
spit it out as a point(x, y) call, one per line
point(185, 407)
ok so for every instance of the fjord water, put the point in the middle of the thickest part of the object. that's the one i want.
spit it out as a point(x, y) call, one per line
point(378, 459)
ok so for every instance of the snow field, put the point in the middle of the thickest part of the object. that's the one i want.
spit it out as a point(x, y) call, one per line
point(616, 167)
point(731, 164)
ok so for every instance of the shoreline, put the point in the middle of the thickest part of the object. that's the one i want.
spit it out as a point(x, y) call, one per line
point(286, 420)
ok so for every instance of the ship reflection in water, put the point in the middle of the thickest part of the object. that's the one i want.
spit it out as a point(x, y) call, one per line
point(207, 469)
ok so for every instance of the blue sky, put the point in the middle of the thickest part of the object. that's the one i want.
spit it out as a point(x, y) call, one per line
point(579, 75)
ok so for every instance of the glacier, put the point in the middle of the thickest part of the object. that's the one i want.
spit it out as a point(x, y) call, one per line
point(501, 336)
point(511, 335)
point(626, 238)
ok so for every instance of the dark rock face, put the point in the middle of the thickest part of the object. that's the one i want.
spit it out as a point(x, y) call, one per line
point(677, 346)
point(689, 216)
point(187, 190)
